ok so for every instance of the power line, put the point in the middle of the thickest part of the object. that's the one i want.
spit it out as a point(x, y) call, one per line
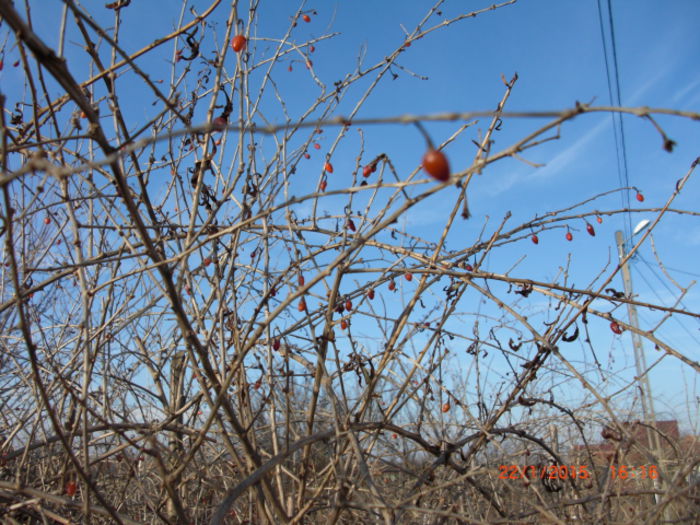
point(661, 301)
point(669, 267)
point(618, 123)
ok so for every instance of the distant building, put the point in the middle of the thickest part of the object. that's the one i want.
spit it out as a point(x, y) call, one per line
point(632, 446)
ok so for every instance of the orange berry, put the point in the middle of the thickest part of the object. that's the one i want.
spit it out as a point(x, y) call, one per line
point(238, 43)
point(446, 407)
point(435, 163)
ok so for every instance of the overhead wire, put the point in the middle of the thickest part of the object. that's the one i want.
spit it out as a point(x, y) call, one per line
point(618, 123)
point(670, 267)
point(660, 299)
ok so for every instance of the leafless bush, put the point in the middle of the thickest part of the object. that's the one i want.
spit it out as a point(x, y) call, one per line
point(207, 318)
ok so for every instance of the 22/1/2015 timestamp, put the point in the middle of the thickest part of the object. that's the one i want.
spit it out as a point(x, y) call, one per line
point(634, 472)
point(544, 471)
point(575, 472)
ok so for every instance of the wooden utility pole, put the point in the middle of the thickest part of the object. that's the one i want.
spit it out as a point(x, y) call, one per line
point(641, 366)
point(639, 357)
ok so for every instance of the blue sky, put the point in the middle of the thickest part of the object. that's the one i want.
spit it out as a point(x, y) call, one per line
point(555, 47)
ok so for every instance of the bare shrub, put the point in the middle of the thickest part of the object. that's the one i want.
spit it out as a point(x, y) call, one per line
point(213, 310)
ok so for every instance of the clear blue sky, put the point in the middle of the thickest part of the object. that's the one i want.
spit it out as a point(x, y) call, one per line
point(555, 47)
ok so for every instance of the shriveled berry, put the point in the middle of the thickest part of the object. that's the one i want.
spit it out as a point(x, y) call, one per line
point(408, 276)
point(302, 306)
point(276, 344)
point(590, 230)
point(351, 225)
point(392, 286)
point(344, 324)
point(348, 305)
point(535, 239)
point(328, 167)
point(370, 293)
point(616, 327)
point(219, 123)
point(71, 487)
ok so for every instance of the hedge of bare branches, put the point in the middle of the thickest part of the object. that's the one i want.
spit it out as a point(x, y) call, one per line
point(207, 319)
